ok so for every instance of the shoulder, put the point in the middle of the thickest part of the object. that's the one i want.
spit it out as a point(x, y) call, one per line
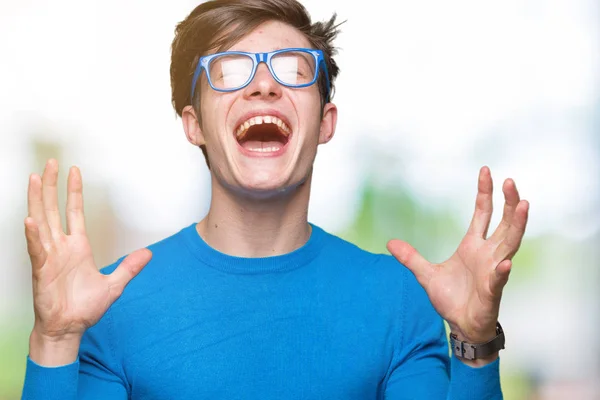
point(353, 257)
point(167, 269)
point(129, 319)
point(163, 251)
point(375, 276)
point(385, 275)
point(391, 290)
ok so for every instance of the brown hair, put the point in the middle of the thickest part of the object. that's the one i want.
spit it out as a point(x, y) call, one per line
point(208, 28)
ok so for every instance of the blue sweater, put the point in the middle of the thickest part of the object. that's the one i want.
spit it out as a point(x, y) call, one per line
point(327, 321)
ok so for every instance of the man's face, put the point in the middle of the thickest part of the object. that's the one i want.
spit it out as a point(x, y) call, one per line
point(262, 139)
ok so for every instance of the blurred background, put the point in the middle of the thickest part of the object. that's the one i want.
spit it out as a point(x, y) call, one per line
point(429, 92)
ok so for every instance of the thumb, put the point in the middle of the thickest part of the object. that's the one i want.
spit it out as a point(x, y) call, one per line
point(127, 270)
point(411, 259)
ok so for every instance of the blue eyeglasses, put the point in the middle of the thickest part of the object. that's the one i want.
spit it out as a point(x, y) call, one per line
point(233, 70)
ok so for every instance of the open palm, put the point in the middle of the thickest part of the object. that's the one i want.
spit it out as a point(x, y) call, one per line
point(69, 293)
point(467, 288)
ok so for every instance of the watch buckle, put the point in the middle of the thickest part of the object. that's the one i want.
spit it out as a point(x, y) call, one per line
point(464, 350)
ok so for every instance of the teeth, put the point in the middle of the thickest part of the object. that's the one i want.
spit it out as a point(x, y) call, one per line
point(266, 149)
point(266, 119)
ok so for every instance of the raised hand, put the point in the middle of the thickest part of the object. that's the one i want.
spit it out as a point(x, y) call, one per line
point(69, 293)
point(466, 289)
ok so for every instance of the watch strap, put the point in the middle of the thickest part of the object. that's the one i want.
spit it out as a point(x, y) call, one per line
point(471, 351)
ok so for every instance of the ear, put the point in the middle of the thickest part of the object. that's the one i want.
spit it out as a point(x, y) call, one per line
point(328, 123)
point(191, 126)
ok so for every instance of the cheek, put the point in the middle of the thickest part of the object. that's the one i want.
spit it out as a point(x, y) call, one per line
point(214, 110)
point(308, 107)
point(207, 105)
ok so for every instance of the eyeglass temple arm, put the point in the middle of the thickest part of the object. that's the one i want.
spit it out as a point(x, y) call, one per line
point(324, 65)
point(195, 80)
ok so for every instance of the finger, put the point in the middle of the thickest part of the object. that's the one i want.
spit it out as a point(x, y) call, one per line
point(75, 217)
point(499, 278)
point(127, 270)
point(512, 241)
point(36, 251)
point(35, 205)
point(411, 259)
point(50, 196)
point(511, 200)
point(483, 204)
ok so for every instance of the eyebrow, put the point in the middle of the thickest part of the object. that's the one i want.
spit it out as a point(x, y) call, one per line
point(275, 49)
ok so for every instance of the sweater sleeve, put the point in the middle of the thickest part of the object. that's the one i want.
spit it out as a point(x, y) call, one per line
point(422, 368)
point(95, 374)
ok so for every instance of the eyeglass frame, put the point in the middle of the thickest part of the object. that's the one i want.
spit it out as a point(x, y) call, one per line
point(257, 58)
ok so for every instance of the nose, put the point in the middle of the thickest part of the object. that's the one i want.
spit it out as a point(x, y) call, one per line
point(263, 85)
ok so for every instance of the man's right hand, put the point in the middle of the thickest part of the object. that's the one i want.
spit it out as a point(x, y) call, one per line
point(69, 293)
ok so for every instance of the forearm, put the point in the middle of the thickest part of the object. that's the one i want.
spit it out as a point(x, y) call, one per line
point(474, 383)
point(50, 383)
point(427, 378)
point(72, 368)
point(474, 379)
point(52, 367)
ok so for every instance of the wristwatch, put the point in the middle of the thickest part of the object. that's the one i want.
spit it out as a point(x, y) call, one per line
point(470, 351)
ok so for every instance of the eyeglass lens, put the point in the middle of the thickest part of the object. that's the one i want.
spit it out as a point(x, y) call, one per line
point(231, 71)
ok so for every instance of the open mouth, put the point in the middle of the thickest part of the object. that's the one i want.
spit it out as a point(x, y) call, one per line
point(263, 134)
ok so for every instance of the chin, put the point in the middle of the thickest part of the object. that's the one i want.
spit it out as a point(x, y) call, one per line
point(265, 185)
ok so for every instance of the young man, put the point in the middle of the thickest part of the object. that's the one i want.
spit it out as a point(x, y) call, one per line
point(254, 302)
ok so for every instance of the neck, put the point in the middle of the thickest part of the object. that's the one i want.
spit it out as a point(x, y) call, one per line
point(244, 226)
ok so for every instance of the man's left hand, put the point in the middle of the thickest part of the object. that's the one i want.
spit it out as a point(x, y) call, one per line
point(466, 289)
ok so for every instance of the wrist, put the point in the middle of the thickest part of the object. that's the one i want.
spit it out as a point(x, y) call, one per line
point(477, 349)
point(480, 362)
point(53, 351)
point(472, 336)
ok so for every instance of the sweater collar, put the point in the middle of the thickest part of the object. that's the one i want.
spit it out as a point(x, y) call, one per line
point(259, 265)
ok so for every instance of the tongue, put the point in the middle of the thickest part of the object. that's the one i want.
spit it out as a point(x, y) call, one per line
point(257, 144)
